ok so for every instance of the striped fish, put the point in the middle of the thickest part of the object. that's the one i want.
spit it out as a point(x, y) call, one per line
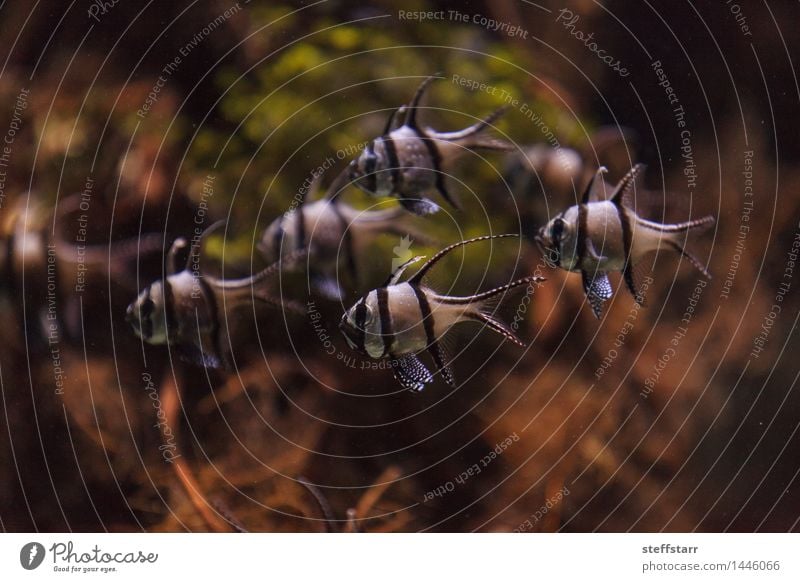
point(192, 311)
point(37, 256)
point(409, 161)
point(595, 237)
point(330, 230)
point(399, 320)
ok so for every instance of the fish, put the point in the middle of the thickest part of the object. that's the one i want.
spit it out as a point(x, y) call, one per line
point(192, 311)
point(330, 231)
point(52, 270)
point(401, 319)
point(543, 171)
point(407, 161)
point(599, 236)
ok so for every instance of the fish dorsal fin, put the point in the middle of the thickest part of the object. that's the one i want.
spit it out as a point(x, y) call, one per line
point(398, 272)
point(340, 182)
point(390, 122)
point(263, 274)
point(624, 185)
point(313, 188)
point(174, 263)
point(417, 278)
point(203, 237)
point(587, 194)
point(411, 116)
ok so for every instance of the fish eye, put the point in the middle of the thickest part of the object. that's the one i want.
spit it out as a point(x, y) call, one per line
point(147, 308)
point(557, 230)
point(370, 160)
point(370, 315)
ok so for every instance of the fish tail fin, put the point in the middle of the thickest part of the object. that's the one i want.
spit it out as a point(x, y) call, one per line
point(473, 137)
point(480, 306)
point(676, 233)
point(496, 325)
point(679, 228)
point(681, 250)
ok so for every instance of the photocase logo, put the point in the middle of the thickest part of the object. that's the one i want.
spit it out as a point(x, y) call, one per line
point(402, 252)
point(31, 555)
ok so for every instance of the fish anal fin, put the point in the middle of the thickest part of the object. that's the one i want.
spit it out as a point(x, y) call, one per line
point(442, 361)
point(411, 372)
point(638, 278)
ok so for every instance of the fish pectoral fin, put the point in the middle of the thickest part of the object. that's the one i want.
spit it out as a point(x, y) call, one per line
point(442, 361)
point(328, 287)
point(598, 290)
point(411, 372)
point(419, 206)
point(192, 354)
point(593, 252)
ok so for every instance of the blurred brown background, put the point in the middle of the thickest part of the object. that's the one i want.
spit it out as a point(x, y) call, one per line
point(263, 94)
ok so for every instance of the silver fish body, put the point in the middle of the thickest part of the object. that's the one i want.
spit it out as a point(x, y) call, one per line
point(330, 231)
point(194, 312)
point(399, 320)
point(410, 161)
point(595, 237)
point(38, 260)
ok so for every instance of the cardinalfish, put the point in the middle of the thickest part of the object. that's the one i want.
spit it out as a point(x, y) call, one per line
point(595, 237)
point(192, 311)
point(36, 255)
point(408, 161)
point(330, 230)
point(400, 320)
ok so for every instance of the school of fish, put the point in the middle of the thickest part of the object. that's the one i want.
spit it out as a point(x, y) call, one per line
point(195, 313)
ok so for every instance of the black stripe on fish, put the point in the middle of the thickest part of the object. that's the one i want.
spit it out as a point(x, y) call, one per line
point(433, 345)
point(213, 313)
point(583, 227)
point(361, 320)
point(301, 229)
point(169, 307)
point(627, 242)
point(347, 241)
point(427, 316)
point(386, 319)
point(145, 321)
point(278, 241)
point(369, 170)
point(394, 161)
point(436, 162)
